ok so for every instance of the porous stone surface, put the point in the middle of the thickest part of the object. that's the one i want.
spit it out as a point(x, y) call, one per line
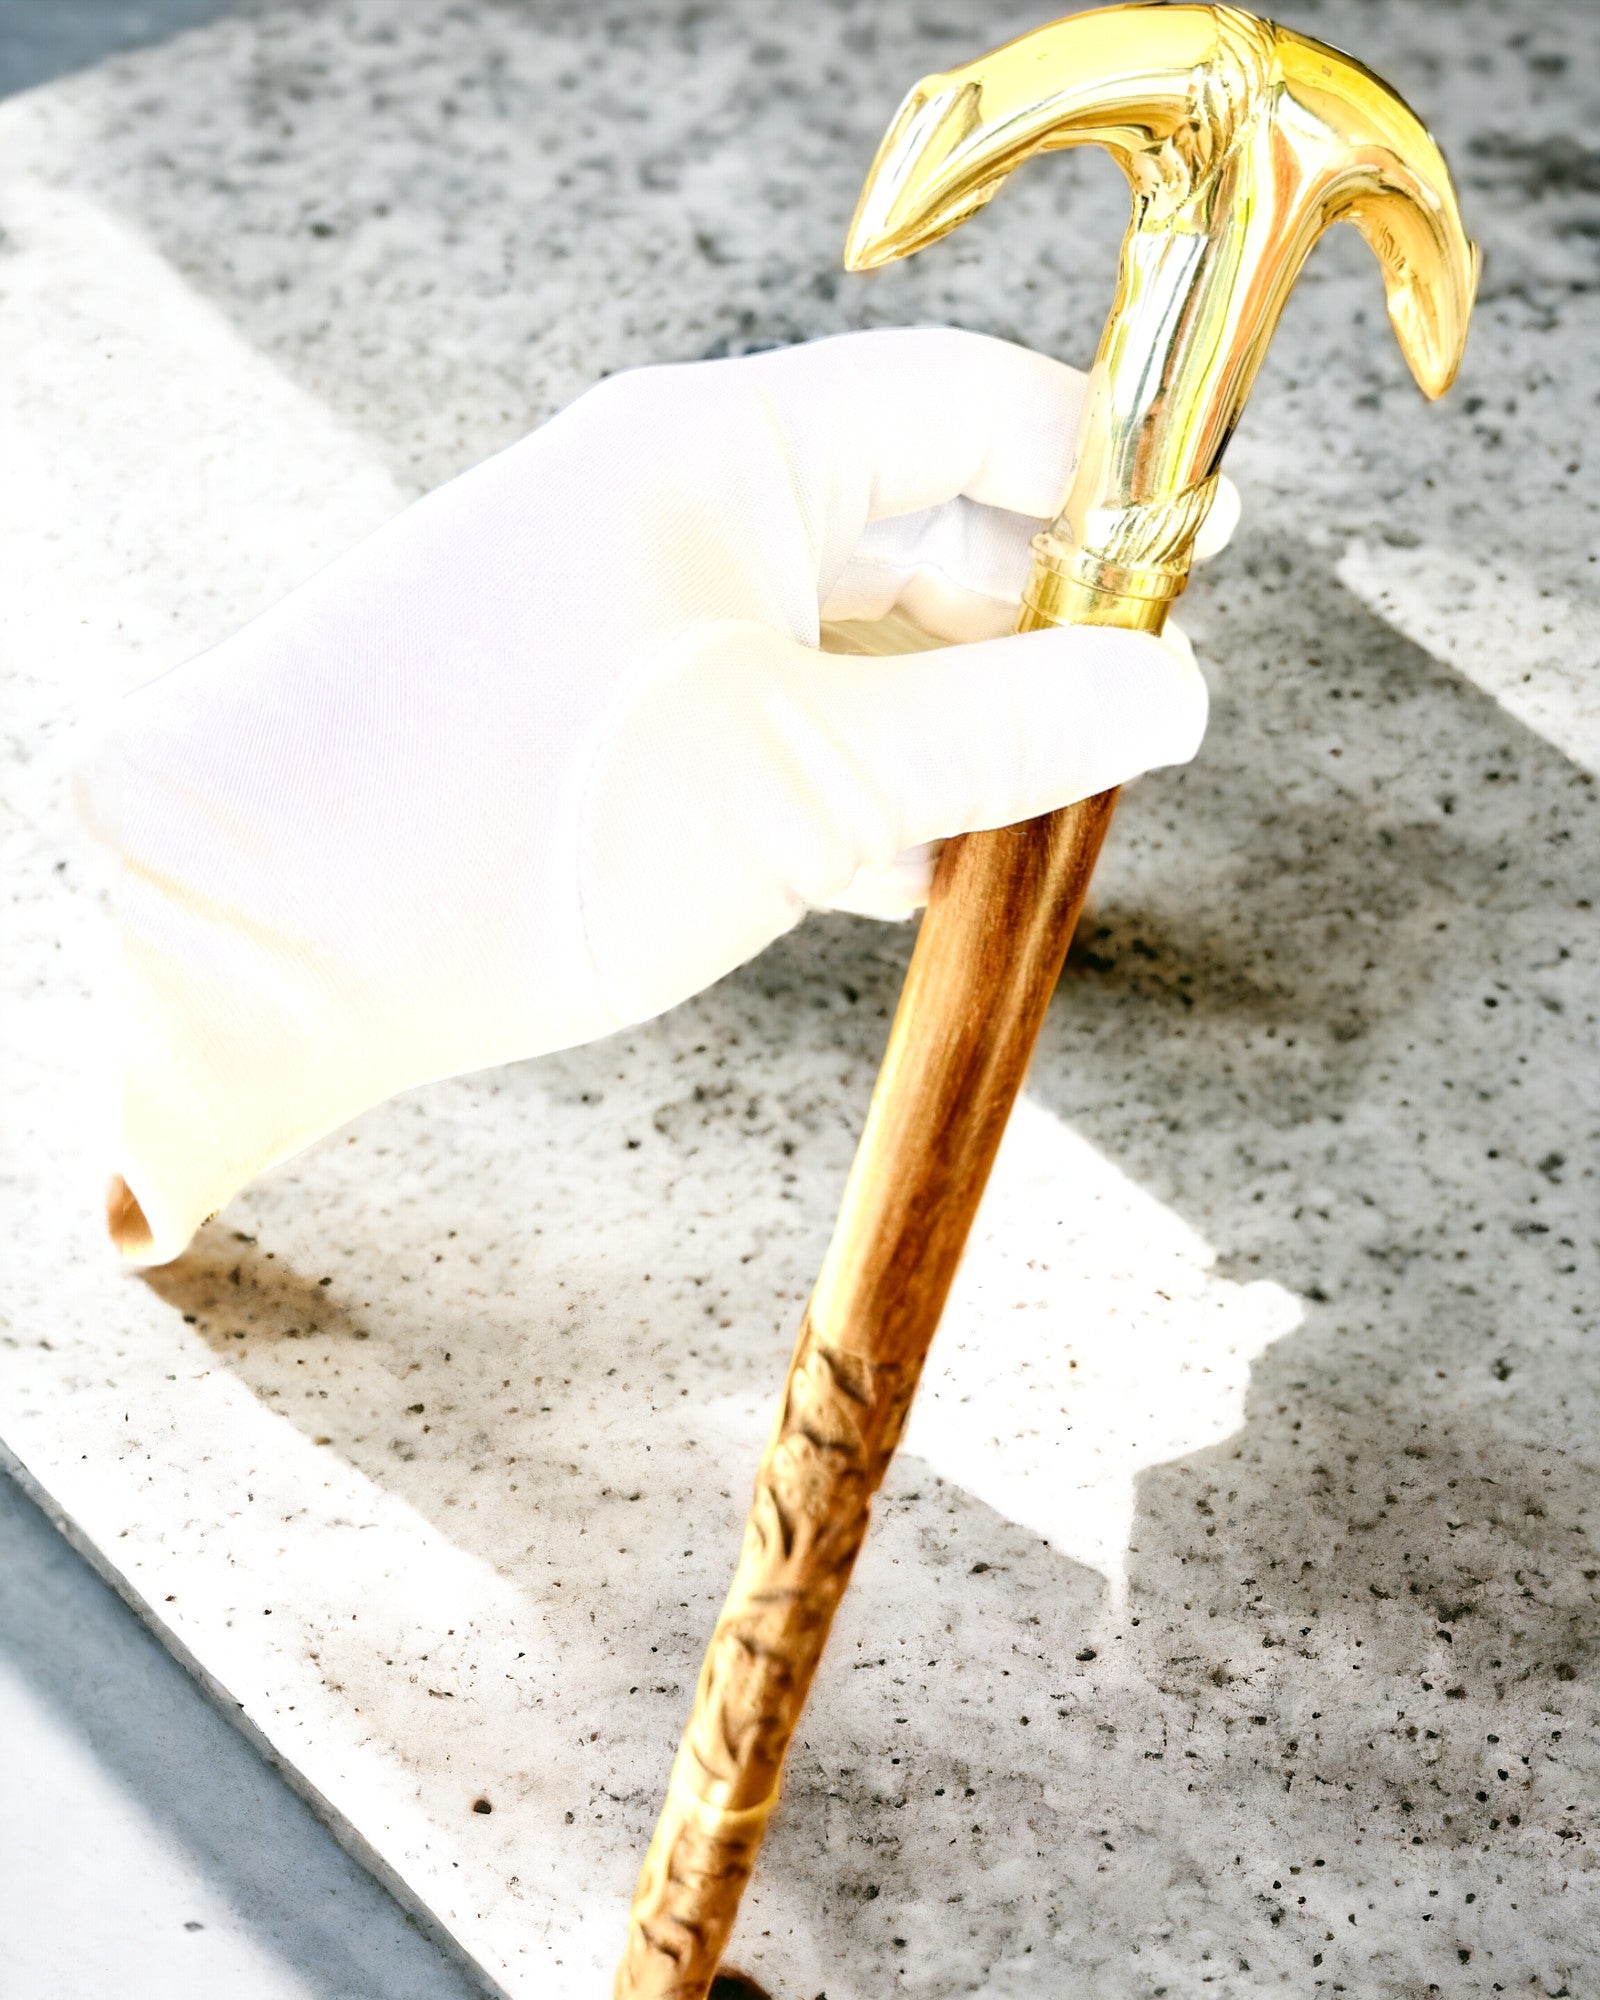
point(1231, 1620)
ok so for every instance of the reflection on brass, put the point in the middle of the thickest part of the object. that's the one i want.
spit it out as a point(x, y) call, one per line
point(1241, 143)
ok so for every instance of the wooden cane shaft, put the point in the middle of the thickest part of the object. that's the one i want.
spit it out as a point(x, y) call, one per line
point(1242, 142)
point(987, 959)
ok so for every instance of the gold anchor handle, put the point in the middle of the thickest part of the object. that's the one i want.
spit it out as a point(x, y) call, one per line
point(1241, 143)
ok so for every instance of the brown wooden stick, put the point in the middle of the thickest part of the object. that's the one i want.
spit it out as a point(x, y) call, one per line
point(987, 959)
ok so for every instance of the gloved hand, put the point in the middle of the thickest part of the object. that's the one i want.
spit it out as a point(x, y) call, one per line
point(556, 748)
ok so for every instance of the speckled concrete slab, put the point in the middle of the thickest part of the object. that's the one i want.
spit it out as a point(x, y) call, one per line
point(1231, 1620)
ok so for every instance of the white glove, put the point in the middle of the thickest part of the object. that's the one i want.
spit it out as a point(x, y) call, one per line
point(556, 748)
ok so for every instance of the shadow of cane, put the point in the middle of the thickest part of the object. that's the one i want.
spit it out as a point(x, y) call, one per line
point(736, 1986)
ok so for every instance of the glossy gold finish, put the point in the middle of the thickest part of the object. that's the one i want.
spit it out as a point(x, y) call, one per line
point(1241, 143)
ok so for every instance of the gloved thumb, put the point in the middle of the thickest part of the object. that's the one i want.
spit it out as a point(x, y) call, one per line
point(1000, 730)
point(897, 889)
point(771, 777)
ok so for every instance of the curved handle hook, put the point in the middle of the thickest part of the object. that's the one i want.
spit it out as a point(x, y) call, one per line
point(1241, 142)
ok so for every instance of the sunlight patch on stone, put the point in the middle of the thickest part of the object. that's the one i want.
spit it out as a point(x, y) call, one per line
point(1530, 648)
point(149, 450)
point(1088, 1337)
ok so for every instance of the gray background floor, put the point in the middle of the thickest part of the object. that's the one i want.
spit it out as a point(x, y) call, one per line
point(41, 39)
point(148, 1850)
point(1282, 1035)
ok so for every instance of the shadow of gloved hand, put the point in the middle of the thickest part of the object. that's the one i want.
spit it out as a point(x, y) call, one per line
point(557, 747)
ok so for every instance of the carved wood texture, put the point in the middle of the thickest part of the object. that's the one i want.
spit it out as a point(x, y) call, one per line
point(987, 959)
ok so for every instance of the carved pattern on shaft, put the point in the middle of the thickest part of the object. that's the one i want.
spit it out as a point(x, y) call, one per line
point(837, 1429)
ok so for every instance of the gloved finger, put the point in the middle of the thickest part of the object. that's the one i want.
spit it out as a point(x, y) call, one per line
point(1176, 640)
point(958, 570)
point(891, 890)
point(771, 775)
point(895, 890)
point(894, 421)
point(1216, 530)
point(1000, 730)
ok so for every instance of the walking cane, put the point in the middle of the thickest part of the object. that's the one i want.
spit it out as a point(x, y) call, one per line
point(1241, 142)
